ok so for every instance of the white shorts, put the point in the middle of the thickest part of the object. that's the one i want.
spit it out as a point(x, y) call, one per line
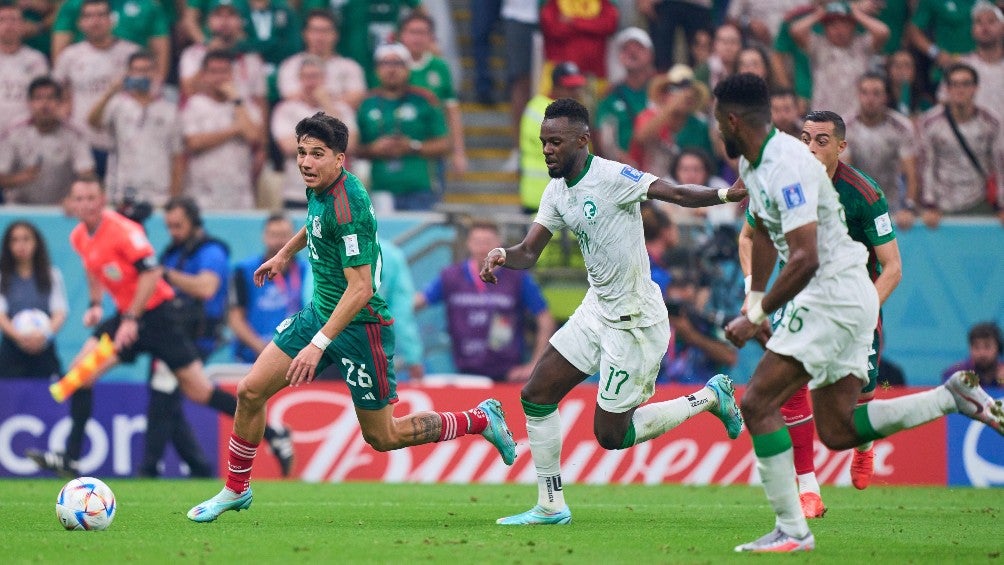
point(829, 327)
point(627, 360)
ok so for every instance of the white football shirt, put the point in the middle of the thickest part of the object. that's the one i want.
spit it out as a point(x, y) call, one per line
point(789, 188)
point(602, 208)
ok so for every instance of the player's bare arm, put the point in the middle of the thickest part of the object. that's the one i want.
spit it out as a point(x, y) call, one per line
point(357, 294)
point(892, 269)
point(277, 264)
point(523, 255)
point(695, 195)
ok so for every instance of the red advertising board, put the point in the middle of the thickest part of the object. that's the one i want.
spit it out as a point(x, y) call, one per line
point(329, 446)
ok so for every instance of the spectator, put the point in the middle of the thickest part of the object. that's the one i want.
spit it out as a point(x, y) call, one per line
point(487, 323)
point(272, 30)
point(398, 289)
point(784, 112)
point(578, 33)
point(988, 58)
point(884, 148)
point(344, 78)
point(145, 24)
point(88, 68)
point(484, 14)
point(312, 95)
point(432, 73)
point(149, 163)
point(756, 60)
point(838, 56)
point(226, 32)
point(221, 130)
point(672, 120)
point(255, 311)
point(962, 153)
point(661, 235)
point(950, 23)
point(567, 81)
point(693, 165)
point(37, 27)
point(401, 129)
point(616, 113)
point(665, 17)
point(366, 25)
point(194, 24)
point(724, 55)
point(788, 56)
point(41, 157)
point(906, 93)
point(698, 349)
point(19, 65)
point(29, 281)
point(520, 22)
point(985, 349)
point(760, 20)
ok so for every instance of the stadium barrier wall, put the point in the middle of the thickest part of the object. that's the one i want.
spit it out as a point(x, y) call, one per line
point(330, 448)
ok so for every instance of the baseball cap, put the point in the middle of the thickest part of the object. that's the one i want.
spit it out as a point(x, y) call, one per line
point(836, 11)
point(568, 75)
point(633, 34)
point(234, 5)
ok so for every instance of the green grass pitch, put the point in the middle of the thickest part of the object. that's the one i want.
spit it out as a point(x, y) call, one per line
point(293, 522)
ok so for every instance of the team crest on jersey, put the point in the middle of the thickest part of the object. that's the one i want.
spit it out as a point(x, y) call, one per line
point(589, 209)
point(793, 196)
point(315, 226)
point(284, 324)
point(112, 272)
point(631, 173)
point(407, 112)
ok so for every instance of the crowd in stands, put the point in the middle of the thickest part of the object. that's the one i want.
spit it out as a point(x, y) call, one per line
point(165, 98)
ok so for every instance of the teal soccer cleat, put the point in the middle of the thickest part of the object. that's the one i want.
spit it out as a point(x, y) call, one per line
point(537, 516)
point(225, 500)
point(497, 433)
point(727, 410)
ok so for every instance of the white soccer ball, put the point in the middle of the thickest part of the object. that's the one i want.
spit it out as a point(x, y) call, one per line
point(32, 321)
point(85, 503)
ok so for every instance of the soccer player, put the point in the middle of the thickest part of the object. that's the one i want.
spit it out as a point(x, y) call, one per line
point(346, 324)
point(118, 258)
point(621, 328)
point(830, 310)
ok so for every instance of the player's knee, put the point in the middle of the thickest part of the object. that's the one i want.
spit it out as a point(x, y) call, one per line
point(609, 439)
point(249, 395)
point(379, 442)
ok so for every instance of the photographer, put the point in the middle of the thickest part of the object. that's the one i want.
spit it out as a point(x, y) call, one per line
point(698, 349)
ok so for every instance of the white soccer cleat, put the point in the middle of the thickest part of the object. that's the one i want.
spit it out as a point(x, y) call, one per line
point(779, 542)
point(973, 401)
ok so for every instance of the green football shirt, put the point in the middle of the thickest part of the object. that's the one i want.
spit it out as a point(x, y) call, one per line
point(134, 20)
point(433, 74)
point(621, 107)
point(342, 233)
point(866, 212)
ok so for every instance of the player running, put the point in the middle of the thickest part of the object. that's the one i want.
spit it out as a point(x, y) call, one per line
point(346, 324)
point(830, 309)
point(621, 328)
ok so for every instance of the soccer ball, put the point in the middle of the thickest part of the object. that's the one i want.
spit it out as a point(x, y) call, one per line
point(32, 321)
point(85, 503)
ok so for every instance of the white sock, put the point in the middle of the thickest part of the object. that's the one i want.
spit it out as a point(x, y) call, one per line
point(777, 473)
point(890, 416)
point(808, 483)
point(545, 448)
point(653, 420)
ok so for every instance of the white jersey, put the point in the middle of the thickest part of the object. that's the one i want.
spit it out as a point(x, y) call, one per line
point(17, 70)
point(342, 77)
point(789, 188)
point(602, 208)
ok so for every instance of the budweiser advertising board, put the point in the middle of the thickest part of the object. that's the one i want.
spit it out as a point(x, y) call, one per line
point(329, 446)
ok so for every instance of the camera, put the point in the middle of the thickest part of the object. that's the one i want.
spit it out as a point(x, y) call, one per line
point(133, 208)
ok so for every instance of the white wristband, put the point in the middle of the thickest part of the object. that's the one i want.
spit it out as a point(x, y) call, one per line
point(723, 195)
point(501, 251)
point(747, 284)
point(754, 309)
point(320, 340)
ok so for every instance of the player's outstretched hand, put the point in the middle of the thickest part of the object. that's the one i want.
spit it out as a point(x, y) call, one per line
point(270, 269)
point(491, 262)
point(304, 366)
point(740, 330)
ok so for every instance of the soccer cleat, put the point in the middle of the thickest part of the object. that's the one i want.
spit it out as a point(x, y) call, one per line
point(537, 516)
point(52, 461)
point(281, 445)
point(812, 505)
point(779, 542)
point(862, 468)
point(727, 410)
point(225, 500)
point(497, 433)
point(973, 401)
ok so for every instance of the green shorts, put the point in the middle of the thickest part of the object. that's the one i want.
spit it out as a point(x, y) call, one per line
point(363, 353)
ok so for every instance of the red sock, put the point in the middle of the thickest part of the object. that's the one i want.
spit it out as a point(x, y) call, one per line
point(239, 464)
point(456, 424)
point(798, 417)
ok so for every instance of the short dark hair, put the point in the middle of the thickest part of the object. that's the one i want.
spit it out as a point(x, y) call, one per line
point(782, 93)
point(219, 55)
point(328, 129)
point(697, 152)
point(45, 82)
point(987, 330)
point(828, 117)
point(417, 16)
point(323, 14)
point(956, 67)
point(141, 54)
point(189, 206)
point(746, 95)
point(277, 217)
point(653, 221)
point(567, 108)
